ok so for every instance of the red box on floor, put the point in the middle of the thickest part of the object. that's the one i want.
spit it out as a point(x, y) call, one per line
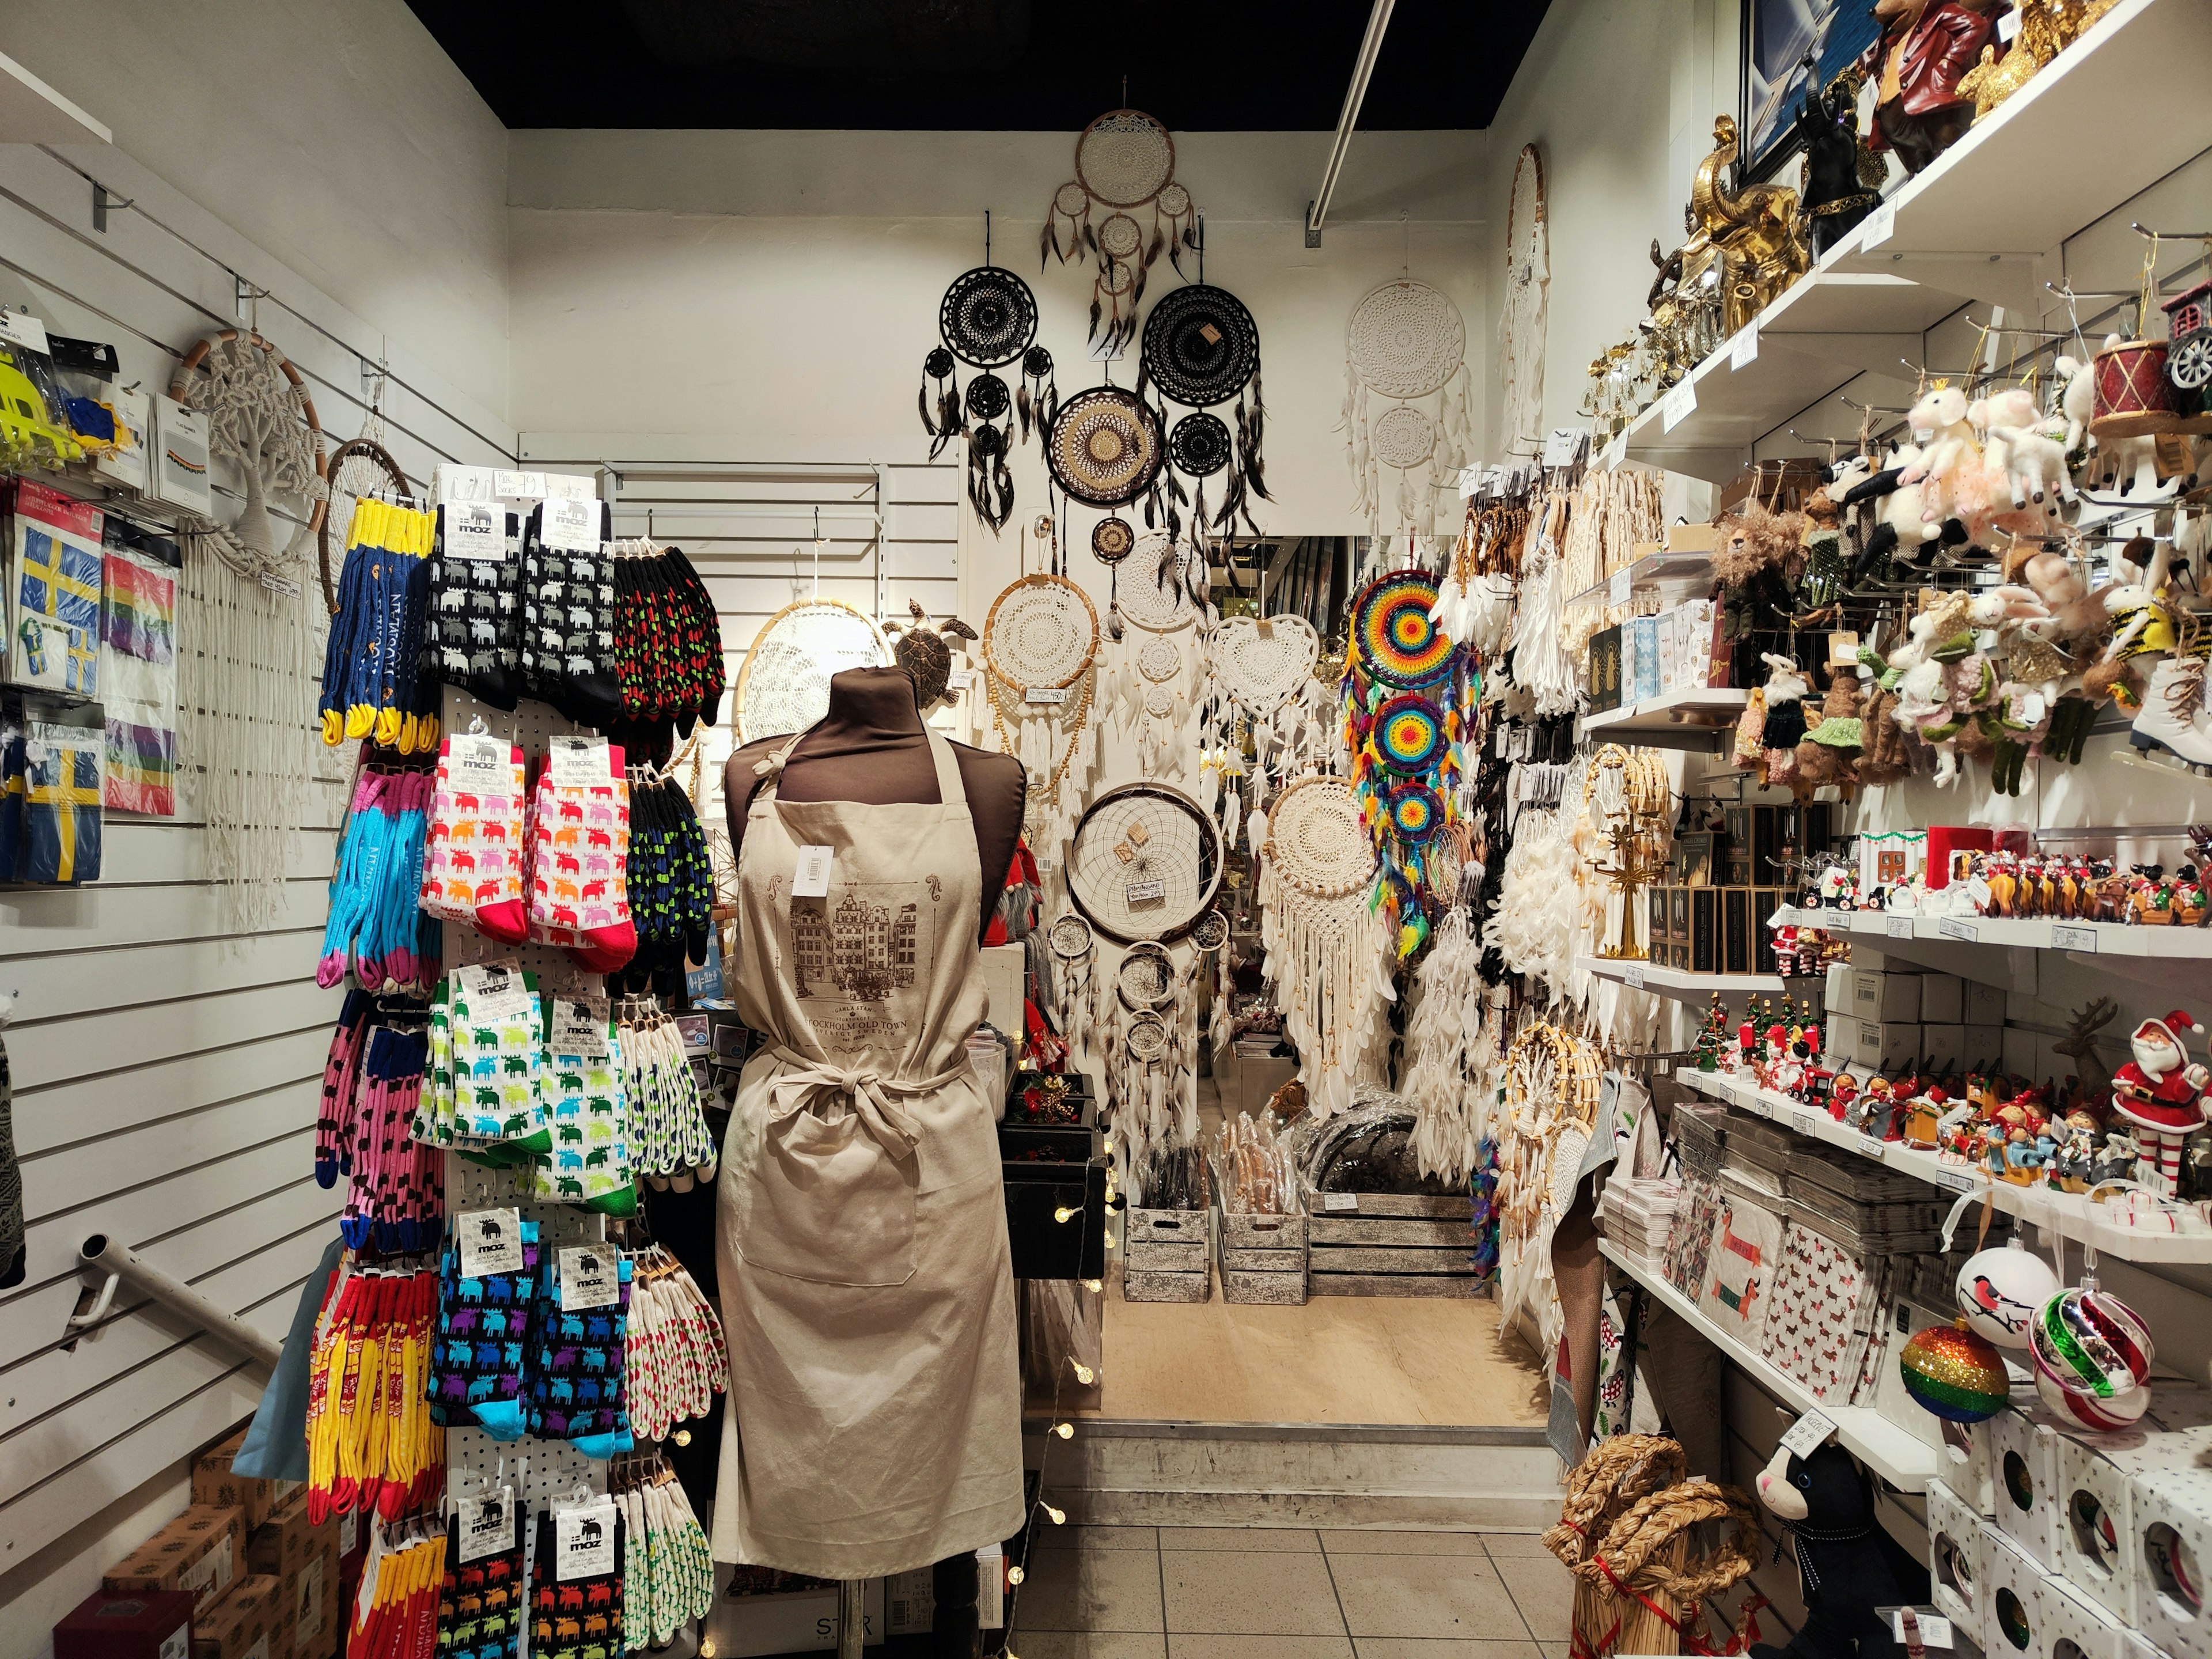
point(128, 1625)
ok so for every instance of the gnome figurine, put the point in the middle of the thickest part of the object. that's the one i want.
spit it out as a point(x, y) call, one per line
point(2161, 1094)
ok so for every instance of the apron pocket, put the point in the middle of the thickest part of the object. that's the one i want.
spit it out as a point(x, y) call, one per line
point(825, 1202)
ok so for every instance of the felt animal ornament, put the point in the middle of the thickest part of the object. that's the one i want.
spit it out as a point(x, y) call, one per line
point(1888, 758)
point(1948, 451)
point(1786, 688)
point(2139, 623)
point(2077, 400)
point(1847, 1564)
point(1753, 540)
point(1901, 529)
point(2030, 445)
point(1833, 744)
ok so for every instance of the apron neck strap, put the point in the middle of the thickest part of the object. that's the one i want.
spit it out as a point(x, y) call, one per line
point(950, 789)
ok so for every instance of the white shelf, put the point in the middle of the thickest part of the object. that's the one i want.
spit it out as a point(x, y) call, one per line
point(33, 113)
point(2110, 116)
point(2069, 1212)
point(1679, 984)
point(1656, 575)
point(1704, 713)
point(1888, 1449)
point(2081, 941)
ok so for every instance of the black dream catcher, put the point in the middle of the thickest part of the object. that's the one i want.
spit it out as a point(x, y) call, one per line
point(987, 320)
point(1202, 350)
point(1124, 164)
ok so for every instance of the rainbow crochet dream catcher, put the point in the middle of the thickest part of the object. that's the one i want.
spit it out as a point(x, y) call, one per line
point(1408, 694)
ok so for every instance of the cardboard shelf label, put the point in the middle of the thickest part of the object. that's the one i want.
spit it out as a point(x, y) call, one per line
point(2074, 939)
point(1898, 928)
point(1952, 927)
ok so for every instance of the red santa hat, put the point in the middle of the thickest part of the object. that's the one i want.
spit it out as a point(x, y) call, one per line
point(2171, 1028)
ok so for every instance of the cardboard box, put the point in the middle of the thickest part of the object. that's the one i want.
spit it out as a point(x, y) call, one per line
point(1944, 1047)
point(133, 1625)
point(1886, 995)
point(2012, 1595)
point(910, 1598)
point(2024, 1442)
point(1693, 539)
point(288, 1540)
point(304, 1558)
point(1943, 1000)
point(785, 1620)
point(243, 1624)
point(201, 1550)
point(1887, 1044)
point(1954, 1559)
point(1984, 1045)
point(1945, 840)
point(214, 1482)
point(2170, 1512)
point(2074, 1626)
point(1985, 1003)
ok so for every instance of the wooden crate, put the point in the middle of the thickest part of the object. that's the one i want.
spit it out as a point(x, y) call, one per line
point(1168, 1256)
point(1386, 1244)
point(1262, 1258)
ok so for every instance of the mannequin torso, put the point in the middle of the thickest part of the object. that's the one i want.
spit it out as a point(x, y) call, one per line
point(873, 748)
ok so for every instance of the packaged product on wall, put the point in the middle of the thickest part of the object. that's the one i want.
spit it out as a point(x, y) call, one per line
point(180, 464)
point(50, 792)
point(138, 669)
point(33, 430)
point(128, 460)
point(53, 550)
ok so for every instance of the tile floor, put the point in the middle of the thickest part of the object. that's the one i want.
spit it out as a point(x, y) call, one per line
point(1277, 1593)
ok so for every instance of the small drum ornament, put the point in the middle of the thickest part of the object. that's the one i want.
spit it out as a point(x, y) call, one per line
point(2134, 399)
point(2000, 1291)
point(1955, 1374)
point(2091, 1356)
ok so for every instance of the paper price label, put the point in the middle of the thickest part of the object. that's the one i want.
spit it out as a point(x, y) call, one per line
point(23, 329)
point(1874, 1147)
point(1147, 892)
point(961, 678)
point(2075, 939)
point(475, 529)
point(475, 762)
point(1335, 1203)
point(1678, 405)
point(1897, 927)
point(583, 1542)
point(580, 1027)
point(569, 487)
point(572, 526)
point(1743, 351)
point(2008, 27)
point(812, 878)
point(1956, 1180)
point(1616, 589)
point(1802, 1123)
point(591, 1277)
point(1038, 694)
point(578, 763)
point(520, 486)
point(467, 483)
point(1935, 1628)
point(490, 1242)
point(1878, 226)
point(1470, 480)
point(1633, 978)
point(487, 1526)
point(1808, 1434)
point(495, 992)
point(1952, 927)
point(1563, 444)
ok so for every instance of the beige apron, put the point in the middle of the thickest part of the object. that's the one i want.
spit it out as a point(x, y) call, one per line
point(874, 1411)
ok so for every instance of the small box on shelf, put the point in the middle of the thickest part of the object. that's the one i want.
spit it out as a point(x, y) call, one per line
point(2012, 1583)
point(2024, 1445)
point(2074, 1626)
point(1954, 1559)
point(2171, 1520)
point(1943, 1000)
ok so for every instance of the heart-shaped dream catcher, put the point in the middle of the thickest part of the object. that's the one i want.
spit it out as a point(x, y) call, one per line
point(1408, 694)
point(1124, 167)
point(1201, 350)
point(1039, 643)
point(1407, 342)
point(1324, 941)
point(987, 319)
point(784, 685)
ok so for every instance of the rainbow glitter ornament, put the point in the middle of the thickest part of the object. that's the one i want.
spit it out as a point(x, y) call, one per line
point(1410, 730)
point(1955, 1374)
point(1397, 638)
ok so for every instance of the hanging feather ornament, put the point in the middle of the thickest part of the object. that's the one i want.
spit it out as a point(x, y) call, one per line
point(940, 415)
point(1201, 350)
point(1037, 397)
point(987, 319)
point(1407, 342)
point(1124, 164)
point(990, 435)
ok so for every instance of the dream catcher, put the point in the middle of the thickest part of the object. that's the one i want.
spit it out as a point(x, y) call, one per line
point(987, 319)
point(1552, 1082)
point(262, 422)
point(1144, 867)
point(1324, 944)
point(1407, 343)
point(1260, 683)
point(1124, 164)
point(1202, 350)
point(1153, 661)
point(784, 686)
point(1040, 642)
point(1407, 701)
point(1071, 947)
point(1520, 319)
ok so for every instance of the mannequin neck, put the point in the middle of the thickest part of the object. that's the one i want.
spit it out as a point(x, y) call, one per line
point(872, 705)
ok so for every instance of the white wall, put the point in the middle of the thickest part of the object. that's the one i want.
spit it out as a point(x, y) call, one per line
point(166, 1074)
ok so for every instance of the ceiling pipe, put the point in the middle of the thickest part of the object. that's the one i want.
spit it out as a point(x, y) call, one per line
point(1362, 71)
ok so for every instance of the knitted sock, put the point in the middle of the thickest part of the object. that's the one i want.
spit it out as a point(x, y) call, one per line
point(580, 849)
point(589, 1164)
point(483, 1325)
point(480, 1606)
point(334, 1122)
point(575, 1375)
point(473, 851)
point(568, 641)
point(577, 1611)
point(498, 1066)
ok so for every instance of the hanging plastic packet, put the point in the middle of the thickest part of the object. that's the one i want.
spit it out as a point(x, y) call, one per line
point(586, 1097)
point(486, 1280)
point(473, 853)
point(579, 833)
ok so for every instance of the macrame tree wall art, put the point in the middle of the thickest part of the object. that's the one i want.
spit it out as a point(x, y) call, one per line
point(1124, 167)
point(987, 320)
point(1520, 319)
point(1406, 345)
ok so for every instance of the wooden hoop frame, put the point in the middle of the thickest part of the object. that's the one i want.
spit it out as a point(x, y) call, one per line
point(345, 452)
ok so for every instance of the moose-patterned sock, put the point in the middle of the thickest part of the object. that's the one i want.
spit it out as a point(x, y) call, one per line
point(578, 1338)
point(576, 1582)
point(484, 1329)
point(480, 1606)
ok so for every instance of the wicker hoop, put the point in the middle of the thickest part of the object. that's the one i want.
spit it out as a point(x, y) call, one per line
point(369, 451)
point(180, 381)
point(749, 724)
point(1003, 635)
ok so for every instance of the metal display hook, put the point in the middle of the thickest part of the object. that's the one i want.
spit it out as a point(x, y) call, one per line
point(120, 1263)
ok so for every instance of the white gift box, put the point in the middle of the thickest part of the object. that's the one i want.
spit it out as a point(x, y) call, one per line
point(1954, 1559)
point(2074, 1626)
point(2170, 1517)
point(2013, 1593)
point(2024, 1472)
point(2097, 1533)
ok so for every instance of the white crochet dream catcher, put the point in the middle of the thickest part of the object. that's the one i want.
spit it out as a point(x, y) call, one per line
point(262, 422)
point(1149, 1040)
point(1451, 1072)
point(1407, 343)
point(1040, 642)
point(1073, 948)
point(784, 685)
point(1325, 946)
point(1259, 674)
point(1124, 175)
point(1153, 667)
point(1520, 319)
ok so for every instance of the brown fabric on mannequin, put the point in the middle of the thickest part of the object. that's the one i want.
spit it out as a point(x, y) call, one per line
point(873, 748)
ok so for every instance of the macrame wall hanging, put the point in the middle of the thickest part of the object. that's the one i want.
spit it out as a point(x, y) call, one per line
point(1124, 168)
point(987, 320)
point(1326, 944)
point(1260, 685)
point(248, 656)
point(1152, 661)
point(1452, 1053)
point(1040, 643)
point(1201, 350)
point(1407, 344)
point(1409, 693)
point(1520, 319)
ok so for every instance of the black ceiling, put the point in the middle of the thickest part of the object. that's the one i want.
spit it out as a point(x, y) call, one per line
point(997, 65)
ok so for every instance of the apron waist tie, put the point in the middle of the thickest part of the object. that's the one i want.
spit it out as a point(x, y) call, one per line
point(821, 1082)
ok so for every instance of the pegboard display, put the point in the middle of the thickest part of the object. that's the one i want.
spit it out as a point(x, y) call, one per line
point(544, 1472)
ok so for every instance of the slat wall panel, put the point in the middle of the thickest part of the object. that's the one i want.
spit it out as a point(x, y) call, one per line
point(167, 1077)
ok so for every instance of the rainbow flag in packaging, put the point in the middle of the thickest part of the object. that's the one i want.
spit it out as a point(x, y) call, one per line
point(138, 672)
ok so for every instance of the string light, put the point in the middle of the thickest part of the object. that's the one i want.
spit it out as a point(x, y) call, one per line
point(683, 1438)
point(1059, 1516)
point(1094, 1285)
point(1084, 1374)
point(1014, 1576)
point(707, 1648)
point(1064, 1430)
point(1063, 1214)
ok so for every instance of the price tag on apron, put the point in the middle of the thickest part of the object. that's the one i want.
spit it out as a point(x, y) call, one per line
point(571, 526)
point(495, 992)
point(578, 763)
point(475, 529)
point(487, 1525)
point(591, 1277)
point(490, 1242)
point(812, 878)
point(580, 1027)
point(474, 762)
point(583, 1542)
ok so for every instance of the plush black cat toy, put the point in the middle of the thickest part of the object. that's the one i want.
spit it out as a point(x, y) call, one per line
point(1847, 1566)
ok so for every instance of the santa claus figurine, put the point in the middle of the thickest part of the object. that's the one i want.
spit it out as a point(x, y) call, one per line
point(2160, 1093)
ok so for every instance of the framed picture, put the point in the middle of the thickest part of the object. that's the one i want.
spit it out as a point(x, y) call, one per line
point(1778, 35)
